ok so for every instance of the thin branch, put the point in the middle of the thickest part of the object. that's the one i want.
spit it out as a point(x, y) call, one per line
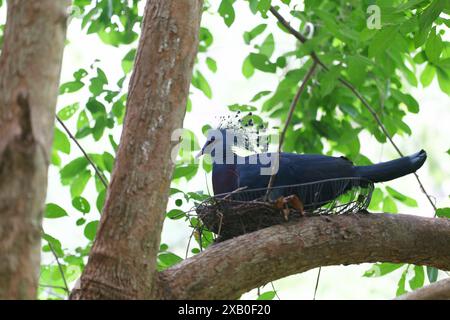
point(97, 171)
point(348, 85)
point(275, 290)
point(317, 283)
point(294, 103)
point(61, 271)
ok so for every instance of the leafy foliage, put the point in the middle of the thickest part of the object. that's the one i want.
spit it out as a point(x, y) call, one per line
point(380, 63)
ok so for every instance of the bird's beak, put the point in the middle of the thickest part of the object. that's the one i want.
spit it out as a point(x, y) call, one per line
point(199, 154)
point(202, 152)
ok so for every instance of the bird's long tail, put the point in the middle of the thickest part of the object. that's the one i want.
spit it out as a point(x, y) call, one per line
point(390, 170)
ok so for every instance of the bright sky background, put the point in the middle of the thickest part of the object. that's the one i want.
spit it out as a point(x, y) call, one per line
point(430, 132)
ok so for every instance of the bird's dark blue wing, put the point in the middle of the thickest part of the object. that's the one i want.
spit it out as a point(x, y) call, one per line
point(296, 169)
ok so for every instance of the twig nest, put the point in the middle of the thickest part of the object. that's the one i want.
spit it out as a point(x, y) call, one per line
point(245, 211)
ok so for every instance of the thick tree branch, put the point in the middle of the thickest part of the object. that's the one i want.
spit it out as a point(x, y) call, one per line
point(229, 269)
point(436, 291)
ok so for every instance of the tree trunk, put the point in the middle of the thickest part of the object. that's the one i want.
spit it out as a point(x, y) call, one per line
point(122, 263)
point(30, 67)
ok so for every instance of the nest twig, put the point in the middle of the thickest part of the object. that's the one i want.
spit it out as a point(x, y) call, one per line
point(243, 211)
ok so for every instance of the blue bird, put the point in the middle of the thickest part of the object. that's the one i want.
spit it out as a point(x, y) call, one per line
point(231, 171)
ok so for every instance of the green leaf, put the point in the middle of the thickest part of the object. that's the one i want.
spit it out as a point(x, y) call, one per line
point(420, 58)
point(382, 41)
point(128, 61)
point(212, 65)
point(432, 274)
point(98, 83)
point(247, 68)
point(444, 80)
point(260, 95)
point(401, 284)
point(74, 168)
point(109, 160)
point(79, 183)
point(357, 69)
point(96, 108)
point(434, 46)
point(328, 81)
point(262, 63)
point(53, 211)
point(67, 112)
point(269, 295)
point(175, 214)
point(90, 230)
point(249, 36)
point(264, 6)
point(163, 247)
point(268, 46)
point(401, 197)
point(206, 39)
point(199, 81)
point(377, 198)
point(113, 143)
point(381, 269)
point(408, 100)
point(207, 163)
point(55, 243)
point(83, 120)
point(101, 200)
point(56, 159)
point(99, 128)
point(198, 196)
point(417, 281)
point(61, 142)
point(168, 259)
point(80, 222)
point(70, 87)
point(430, 14)
point(443, 212)
point(189, 105)
point(187, 171)
point(389, 205)
point(427, 75)
point(81, 204)
point(242, 108)
point(226, 11)
point(281, 62)
point(118, 110)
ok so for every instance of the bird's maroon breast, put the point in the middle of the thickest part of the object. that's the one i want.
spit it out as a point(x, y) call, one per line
point(225, 178)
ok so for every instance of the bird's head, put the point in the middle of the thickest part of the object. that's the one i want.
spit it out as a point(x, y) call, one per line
point(215, 139)
point(235, 135)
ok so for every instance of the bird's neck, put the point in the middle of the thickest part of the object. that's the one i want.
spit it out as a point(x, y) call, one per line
point(225, 178)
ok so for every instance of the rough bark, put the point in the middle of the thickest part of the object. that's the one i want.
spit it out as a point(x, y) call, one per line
point(229, 269)
point(30, 67)
point(439, 290)
point(122, 262)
